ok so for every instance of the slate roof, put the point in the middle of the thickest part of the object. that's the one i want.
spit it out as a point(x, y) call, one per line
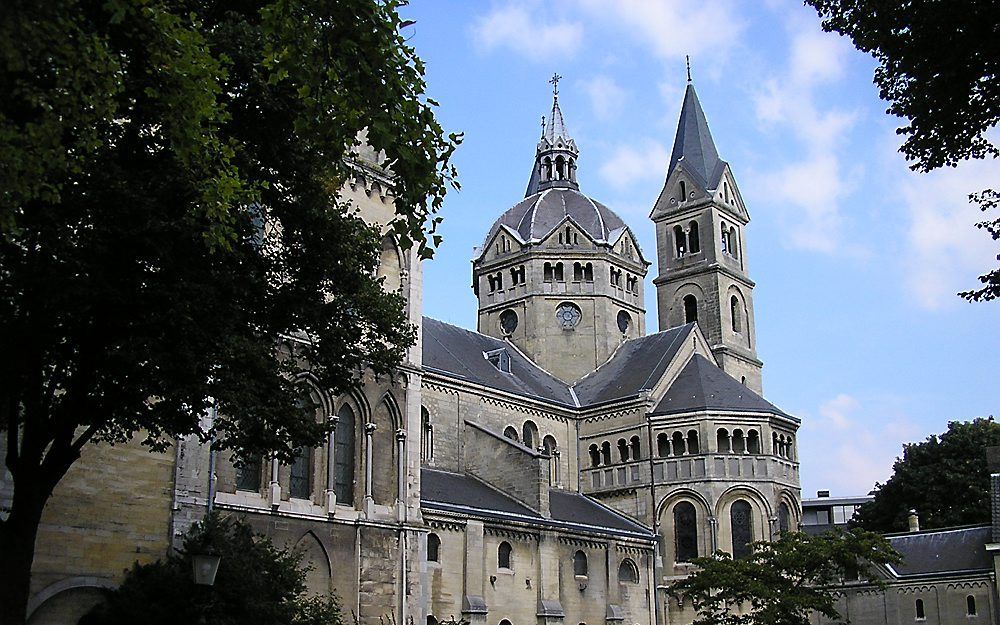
point(537, 215)
point(556, 128)
point(455, 492)
point(460, 353)
point(694, 145)
point(942, 551)
point(703, 386)
point(636, 365)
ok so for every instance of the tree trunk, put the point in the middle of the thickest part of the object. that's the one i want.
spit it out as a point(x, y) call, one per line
point(17, 544)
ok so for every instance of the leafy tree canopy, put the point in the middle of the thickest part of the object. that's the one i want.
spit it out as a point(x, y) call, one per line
point(782, 582)
point(945, 479)
point(256, 583)
point(939, 68)
point(170, 178)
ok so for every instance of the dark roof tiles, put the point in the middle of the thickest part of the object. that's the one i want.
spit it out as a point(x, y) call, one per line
point(942, 551)
point(537, 215)
point(460, 353)
point(701, 385)
point(635, 366)
point(693, 144)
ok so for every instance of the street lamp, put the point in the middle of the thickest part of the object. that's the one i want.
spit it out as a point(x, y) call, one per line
point(205, 566)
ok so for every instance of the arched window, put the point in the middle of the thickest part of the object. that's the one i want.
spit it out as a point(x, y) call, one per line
point(918, 605)
point(724, 235)
point(511, 432)
point(503, 555)
point(529, 434)
point(734, 313)
point(560, 168)
point(722, 441)
point(679, 241)
point(343, 453)
point(684, 192)
point(662, 445)
point(390, 265)
point(634, 448)
point(734, 244)
point(300, 482)
point(970, 605)
point(784, 518)
point(547, 168)
point(628, 573)
point(692, 442)
point(622, 450)
point(685, 532)
point(248, 474)
point(433, 548)
point(595, 456)
point(739, 443)
point(588, 272)
point(577, 272)
point(678, 443)
point(558, 272)
point(690, 309)
point(431, 620)
point(606, 453)
point(753, 442)
point(694, 243)
point(551, 449)
point(741, 525)
point(426, 435)
point(547, 272)
point(580, 564)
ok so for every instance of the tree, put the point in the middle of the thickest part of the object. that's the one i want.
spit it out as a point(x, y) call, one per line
point(939, 64)
point(170, 219)
point(782, 582)
point(256, 583)
point(946, 480)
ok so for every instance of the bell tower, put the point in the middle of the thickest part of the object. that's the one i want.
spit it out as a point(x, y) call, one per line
point(701, 221)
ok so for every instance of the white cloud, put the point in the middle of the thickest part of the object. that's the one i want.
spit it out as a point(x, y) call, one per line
point(629, 164)
point(606, 97)
point(673, 28)
point(851, 444)
point(529, 35)
point(812, 182)
point(944, 251)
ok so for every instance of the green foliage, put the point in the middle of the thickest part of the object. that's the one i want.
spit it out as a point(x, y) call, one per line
point(945, 479)
point(256, 583)
point(782, 582)
point(171, 228)
point(939, 64)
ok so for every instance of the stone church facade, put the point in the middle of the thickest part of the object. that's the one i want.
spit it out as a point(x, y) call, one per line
point(558, 466)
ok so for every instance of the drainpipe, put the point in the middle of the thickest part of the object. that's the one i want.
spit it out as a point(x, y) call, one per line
point(213, 411)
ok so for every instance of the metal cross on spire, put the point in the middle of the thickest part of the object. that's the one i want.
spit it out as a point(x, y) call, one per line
point(555, 83)
point(687, 59)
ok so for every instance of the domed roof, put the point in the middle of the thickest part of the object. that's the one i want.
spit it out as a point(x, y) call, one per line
point(537, 215)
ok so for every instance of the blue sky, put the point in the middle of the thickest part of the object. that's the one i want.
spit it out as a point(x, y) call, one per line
point(857, 260)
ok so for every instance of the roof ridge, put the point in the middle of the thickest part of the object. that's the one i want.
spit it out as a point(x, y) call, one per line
point(665, 352)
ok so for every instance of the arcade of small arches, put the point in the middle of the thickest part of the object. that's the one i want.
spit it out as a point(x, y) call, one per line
point(558, 168)
point(681, 443)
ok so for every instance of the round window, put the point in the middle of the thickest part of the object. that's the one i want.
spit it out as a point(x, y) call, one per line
point(568, 315)
point(508, 321)
point(624, 321)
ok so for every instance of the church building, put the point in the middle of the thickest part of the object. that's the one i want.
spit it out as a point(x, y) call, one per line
point(561, 464)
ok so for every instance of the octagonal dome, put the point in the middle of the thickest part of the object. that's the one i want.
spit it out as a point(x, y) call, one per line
point(537, 215)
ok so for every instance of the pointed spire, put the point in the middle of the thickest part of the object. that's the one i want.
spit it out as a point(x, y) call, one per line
point(556, 154)
point(693, 142)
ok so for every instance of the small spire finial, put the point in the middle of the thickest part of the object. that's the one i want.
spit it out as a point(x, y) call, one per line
point(555, 83)
point(687, 59)
point(543, 125)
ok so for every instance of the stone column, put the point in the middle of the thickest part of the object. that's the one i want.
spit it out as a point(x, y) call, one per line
point(714, 523)
point(331, 466)
point(275, 487)
point(401, 475)
point(369, 499)
point(557, 477)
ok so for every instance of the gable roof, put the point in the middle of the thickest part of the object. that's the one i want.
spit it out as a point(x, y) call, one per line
point(461, 493)
point(693, 144)
point(635, 366)
point(458, 353)
point(942, 551)
point(701, 385)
